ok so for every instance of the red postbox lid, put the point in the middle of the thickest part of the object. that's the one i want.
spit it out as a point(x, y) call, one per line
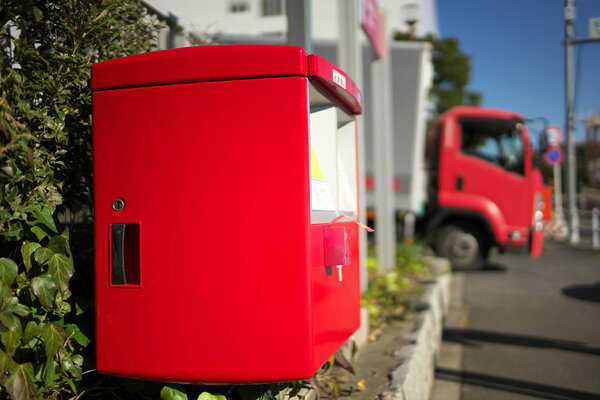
point(226, 62)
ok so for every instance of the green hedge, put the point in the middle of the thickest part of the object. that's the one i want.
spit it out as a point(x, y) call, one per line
point(46, 308)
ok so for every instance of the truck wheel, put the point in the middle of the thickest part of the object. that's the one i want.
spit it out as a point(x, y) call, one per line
point(463, 246)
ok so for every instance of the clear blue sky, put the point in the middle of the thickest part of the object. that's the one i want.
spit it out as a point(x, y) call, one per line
point(517, 56)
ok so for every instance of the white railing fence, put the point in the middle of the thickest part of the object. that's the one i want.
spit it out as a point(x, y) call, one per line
point(586, 226)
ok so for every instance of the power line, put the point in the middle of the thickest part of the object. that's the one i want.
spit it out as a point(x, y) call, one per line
point(579, 3)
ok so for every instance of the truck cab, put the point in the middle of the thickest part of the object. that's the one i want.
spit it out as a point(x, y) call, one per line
point(483, 188)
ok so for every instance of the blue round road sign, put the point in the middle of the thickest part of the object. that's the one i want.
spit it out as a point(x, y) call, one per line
point(554, 155)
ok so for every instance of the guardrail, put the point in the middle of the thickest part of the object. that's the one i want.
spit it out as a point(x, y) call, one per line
point(586, 223)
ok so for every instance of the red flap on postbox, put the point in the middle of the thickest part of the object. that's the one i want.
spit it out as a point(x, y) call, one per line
point(334, 84)
point(336, 245)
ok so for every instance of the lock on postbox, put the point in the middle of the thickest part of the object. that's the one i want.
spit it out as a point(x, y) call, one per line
point(218, 173)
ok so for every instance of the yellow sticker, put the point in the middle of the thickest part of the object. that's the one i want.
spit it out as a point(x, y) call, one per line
point(315, 168)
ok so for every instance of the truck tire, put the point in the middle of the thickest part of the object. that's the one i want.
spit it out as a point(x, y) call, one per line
point(465, 247)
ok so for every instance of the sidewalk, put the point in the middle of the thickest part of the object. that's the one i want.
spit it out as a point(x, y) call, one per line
point(399, 365)
point(451, 353)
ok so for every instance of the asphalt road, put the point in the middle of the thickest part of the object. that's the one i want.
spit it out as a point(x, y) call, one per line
point(524, 329)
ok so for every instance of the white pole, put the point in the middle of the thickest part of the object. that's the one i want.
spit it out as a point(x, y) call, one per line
point(385, 221)
point(574, 226)
point(595, 232)
point(558, 206)
point(350, 60)
point(409, 227)
point(299, 27)
point(571, 164)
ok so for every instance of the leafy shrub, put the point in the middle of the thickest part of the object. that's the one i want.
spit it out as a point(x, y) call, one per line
point(47, 49)
point(271, 391)
point(389, 293)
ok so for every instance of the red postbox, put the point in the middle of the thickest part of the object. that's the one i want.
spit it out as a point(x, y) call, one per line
point(220, 175)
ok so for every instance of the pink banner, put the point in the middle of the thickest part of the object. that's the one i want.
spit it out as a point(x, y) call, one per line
point(373, 25)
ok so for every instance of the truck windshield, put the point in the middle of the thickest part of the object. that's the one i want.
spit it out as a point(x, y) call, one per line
point(496, 141)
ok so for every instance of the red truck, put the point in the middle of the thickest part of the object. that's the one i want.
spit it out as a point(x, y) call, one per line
point(483, 187)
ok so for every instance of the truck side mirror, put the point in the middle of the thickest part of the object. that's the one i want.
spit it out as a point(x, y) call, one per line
point(544, 142)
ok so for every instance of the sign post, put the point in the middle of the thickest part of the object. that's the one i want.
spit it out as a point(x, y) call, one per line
point(553, 156)
point(555, 137)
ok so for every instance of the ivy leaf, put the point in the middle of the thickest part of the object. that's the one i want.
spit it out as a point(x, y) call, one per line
point(32, 329)
point(37, 14)
point(173, 392)
point(281, 388)
point(5, 297)
point(57, 244)
point(19, 383)
point(208, 396)
point(13, 233)
point(83, 304)
point(39, 232)
point(77, 359)
point(13, 331)
point(27, 250)
point(18, 308)
point(44, 288)
point(63, 306)
point(50, 372)
point(65, 234)
point(8, 271)
point(42, 255)
point(6, 362)
point(80, 337)
point(77, 371)
point(54, 337)
point(44, 215)
point(60, 268)
point(66, 363)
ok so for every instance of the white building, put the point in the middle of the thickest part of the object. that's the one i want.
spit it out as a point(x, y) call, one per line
point(268, 17)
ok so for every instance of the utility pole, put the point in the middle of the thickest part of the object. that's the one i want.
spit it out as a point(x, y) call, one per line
point(569, 131)
point(350, 60)
point(382, 128)
point(571, 162)
point(299, 31)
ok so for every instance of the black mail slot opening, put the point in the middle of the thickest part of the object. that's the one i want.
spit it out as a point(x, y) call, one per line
point(125, 254)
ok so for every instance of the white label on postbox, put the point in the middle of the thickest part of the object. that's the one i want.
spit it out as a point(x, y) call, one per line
point(323, 166)
point(339, 78)
point(339, 268)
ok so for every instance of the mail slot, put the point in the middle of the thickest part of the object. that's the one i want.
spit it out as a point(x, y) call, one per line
point(223, 178)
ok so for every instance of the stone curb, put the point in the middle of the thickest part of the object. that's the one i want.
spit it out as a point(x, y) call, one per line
point(413, 378)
